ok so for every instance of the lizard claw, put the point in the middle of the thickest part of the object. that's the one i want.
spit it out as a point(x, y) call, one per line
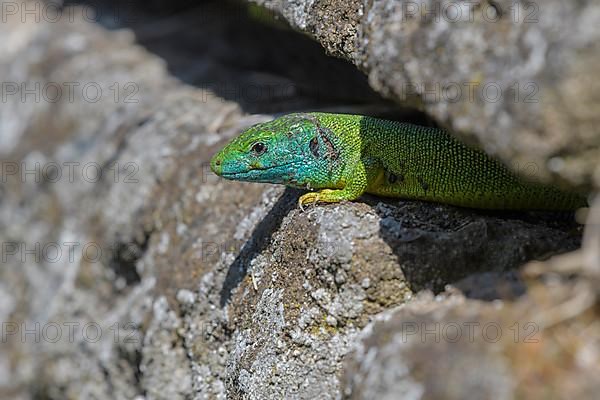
point(308, 198)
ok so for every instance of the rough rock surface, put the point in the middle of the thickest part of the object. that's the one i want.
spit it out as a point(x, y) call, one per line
point(517, 77)
point(212, 289)
point(451, 348)
point(456, 349)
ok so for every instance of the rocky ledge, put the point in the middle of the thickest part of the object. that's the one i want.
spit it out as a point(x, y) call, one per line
point(174, 284)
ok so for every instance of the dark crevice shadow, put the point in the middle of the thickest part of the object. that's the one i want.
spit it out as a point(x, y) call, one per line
point(240, 52)
point(259, 240)
point(437, 245)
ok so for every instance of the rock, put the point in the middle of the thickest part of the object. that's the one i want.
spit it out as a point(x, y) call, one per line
point(293, 286)
point(452, 348)
point(449, 347)
point(517, 78)
point(172, 283)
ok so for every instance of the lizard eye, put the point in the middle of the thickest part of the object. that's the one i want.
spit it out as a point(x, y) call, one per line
point(259, 148)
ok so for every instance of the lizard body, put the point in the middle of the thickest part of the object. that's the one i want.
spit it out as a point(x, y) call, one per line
point(343, 156)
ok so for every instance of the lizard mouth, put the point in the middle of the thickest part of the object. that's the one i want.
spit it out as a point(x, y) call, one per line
point(250, 170)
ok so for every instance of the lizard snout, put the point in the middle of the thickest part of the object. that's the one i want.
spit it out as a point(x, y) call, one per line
point(215, 164)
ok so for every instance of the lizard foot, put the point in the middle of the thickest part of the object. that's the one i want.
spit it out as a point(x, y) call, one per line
point(323, 196)
point(308, 198)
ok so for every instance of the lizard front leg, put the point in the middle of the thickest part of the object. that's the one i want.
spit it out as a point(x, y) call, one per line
point(357, 180)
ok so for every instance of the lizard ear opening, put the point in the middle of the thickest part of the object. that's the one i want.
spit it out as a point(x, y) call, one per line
point(314, 147)
point(329, 148)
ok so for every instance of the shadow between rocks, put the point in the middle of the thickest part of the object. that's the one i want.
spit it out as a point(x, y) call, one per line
point(476, 251)
point(238, 51)
point(258, 241)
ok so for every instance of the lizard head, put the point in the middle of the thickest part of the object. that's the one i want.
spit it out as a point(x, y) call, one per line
point(291, 150)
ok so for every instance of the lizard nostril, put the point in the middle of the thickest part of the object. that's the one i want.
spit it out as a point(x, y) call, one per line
point(215, 165)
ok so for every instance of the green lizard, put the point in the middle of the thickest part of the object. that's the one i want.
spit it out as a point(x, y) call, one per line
point(343, 156)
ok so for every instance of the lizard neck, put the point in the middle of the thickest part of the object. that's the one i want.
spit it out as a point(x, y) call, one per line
point(337, 144)
point(346, 129)
point(358, 133)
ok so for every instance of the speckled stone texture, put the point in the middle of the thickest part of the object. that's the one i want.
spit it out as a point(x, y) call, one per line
point(214, 289)
point(449, 348)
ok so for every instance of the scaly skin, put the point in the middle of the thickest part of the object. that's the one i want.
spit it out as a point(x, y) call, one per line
point(344, 156)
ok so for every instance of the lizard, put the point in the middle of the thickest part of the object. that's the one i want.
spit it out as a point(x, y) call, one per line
point(339, 157)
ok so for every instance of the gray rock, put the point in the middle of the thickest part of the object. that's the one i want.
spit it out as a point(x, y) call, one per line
point(317, 316)
point(206, 288)
point(451, 348)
